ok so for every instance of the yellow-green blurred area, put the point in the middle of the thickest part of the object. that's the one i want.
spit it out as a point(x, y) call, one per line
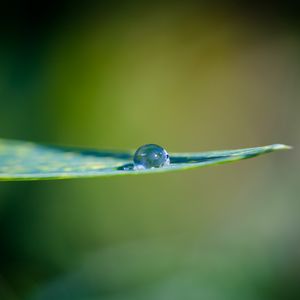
point(189, 76)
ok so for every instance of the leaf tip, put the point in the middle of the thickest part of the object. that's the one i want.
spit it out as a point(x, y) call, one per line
point(281, 147)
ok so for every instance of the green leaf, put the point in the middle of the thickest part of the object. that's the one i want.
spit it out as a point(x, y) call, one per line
point(21, 160)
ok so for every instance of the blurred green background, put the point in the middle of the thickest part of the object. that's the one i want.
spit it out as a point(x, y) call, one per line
point(189, 76)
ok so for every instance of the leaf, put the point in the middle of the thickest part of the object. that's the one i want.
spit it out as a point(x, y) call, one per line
point(21, 160)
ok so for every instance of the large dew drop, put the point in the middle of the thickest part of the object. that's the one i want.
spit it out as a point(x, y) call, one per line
point(150, 156)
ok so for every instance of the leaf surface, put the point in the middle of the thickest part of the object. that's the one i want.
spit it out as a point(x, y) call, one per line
point(21, 160)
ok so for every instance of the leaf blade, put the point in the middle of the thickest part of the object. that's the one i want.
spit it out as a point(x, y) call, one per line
point(21, 160)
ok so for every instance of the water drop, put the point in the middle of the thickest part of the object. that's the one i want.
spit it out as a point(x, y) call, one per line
point(150, 156)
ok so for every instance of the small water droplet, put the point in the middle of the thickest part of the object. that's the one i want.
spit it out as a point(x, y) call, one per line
point(127, 167)
point(150, 156)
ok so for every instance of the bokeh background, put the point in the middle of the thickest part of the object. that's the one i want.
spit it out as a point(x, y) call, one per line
point(186, 75)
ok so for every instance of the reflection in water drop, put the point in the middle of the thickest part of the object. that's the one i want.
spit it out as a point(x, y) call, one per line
point(150, 156)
